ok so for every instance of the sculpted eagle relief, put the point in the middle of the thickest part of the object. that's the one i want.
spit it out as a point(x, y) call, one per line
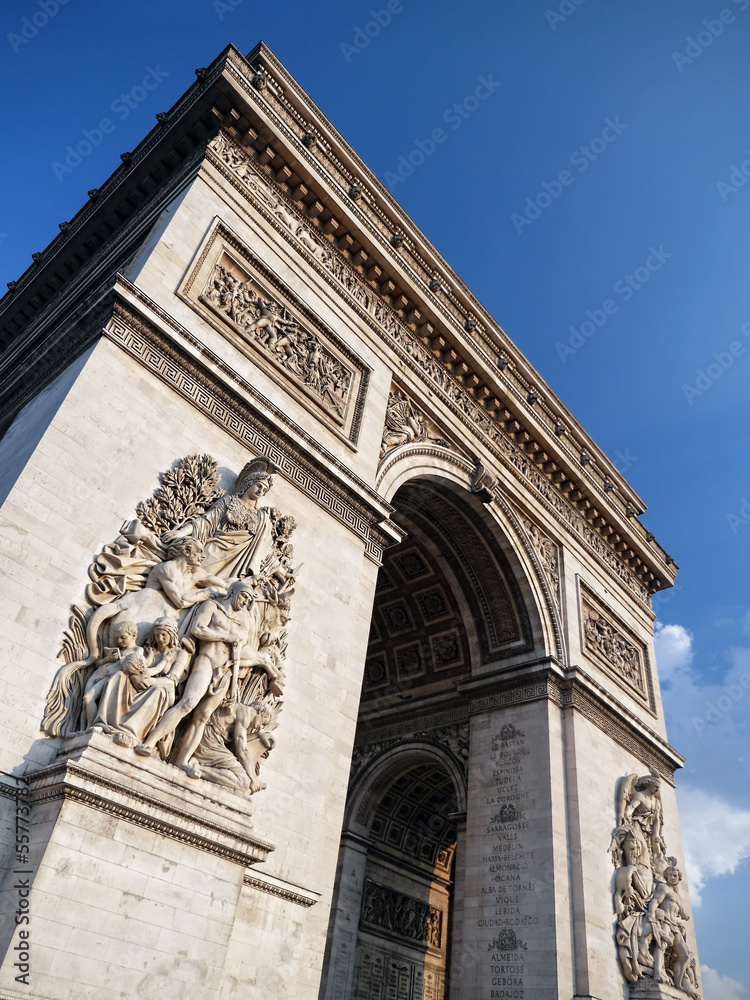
point(179, 649)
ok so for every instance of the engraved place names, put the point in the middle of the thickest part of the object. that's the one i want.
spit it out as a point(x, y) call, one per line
point(509, 890)
point(383, 975)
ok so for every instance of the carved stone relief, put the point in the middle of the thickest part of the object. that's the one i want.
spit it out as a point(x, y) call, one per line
point(235, 290)
point(401, 915)
point(179, 650)
point(271, 328)
point(454, 738)
point(549, 556)
point(650, 914)
point(613, 646)
point(405, 424)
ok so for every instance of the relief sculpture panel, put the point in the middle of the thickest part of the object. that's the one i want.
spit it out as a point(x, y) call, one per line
point(178, 651)
point(249, 304)
point(612, 645)
point(401, 915)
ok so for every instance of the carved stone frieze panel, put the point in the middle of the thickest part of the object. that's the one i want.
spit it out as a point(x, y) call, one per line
point(179, 649)
point(453, 737)
point(216, 390)
point(611, 644)
point(401, 916)
point(234, 289)
point(650, 913)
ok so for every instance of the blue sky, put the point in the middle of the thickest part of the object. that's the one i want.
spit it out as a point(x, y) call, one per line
point(650, 123)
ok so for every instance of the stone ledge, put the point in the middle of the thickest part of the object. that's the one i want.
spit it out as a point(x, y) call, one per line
point(646, 989)
point(275, 886)
point(150, 793)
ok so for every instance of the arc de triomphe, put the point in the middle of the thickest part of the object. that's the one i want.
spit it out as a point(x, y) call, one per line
point(328, 658)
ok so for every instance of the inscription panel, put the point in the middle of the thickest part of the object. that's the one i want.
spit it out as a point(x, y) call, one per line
point(384, 975)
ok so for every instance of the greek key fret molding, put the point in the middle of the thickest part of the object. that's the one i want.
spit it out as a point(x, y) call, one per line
point(647, 747)
point(264, 882)
point(180, 371)
point(613, 646)
point(516, 695)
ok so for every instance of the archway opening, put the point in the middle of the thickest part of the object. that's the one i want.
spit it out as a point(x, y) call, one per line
point(448, 603)
point(451, 609)
point(403, 941)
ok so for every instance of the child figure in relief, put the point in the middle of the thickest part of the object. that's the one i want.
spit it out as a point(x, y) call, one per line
point(124, 634)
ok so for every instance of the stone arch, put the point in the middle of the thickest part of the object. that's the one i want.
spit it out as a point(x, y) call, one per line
point(394, 901)
point(435, 463)
point(386, 766)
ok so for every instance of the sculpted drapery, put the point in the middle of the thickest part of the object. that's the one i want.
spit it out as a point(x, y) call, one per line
point(184, 628)
point(651, 920)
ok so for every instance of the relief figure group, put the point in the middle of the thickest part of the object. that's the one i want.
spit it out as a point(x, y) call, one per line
point(180, 652)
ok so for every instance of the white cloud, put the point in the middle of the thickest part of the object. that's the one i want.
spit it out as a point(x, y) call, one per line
point(674, 650)
point(715, 834)
point(718, 987)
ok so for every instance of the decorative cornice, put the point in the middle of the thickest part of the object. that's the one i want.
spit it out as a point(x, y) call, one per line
point(522, 421)
point(282, 890)
point(68, 780)
point(579, 692)
point(236, 165)
point(616, 723)
point(286, 108)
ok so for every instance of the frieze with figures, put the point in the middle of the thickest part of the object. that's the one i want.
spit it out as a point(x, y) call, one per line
point(272, 329)
point(401, 915)
point(609, 643)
